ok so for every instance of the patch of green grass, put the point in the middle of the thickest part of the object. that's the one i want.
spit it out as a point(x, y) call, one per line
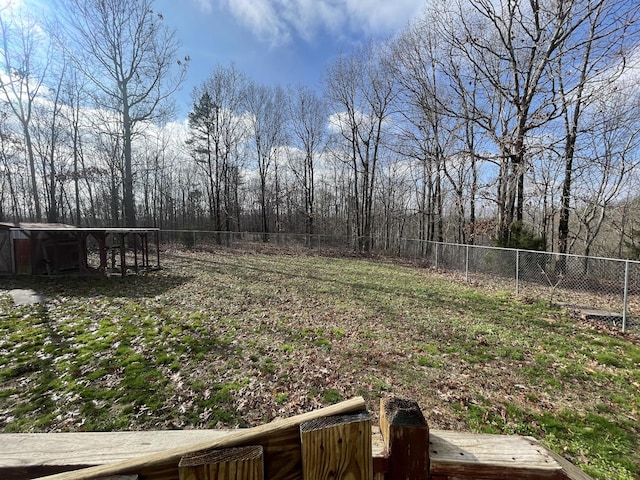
point(267, 366)
point(429, 361)
point(331, 396)
point(509, 353)
point(338, 333)
point(431, 349)
point(610, 359)
point(323, 342)
point(609, 446)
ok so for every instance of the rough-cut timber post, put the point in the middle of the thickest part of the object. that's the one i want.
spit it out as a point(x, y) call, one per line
point(406, 436)
point(123, 255)
point(243, 463)
point(102, 247)
point(337, 447)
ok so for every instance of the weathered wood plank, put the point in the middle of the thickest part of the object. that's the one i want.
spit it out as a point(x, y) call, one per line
point(379, 453)
point(570, 471)
point(85, 448)
point(241, 463)
point(280, 440)
point(31, 455)
point(477, 456)
point(337, 447)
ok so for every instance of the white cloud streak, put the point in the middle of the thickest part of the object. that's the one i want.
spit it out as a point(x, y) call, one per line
point(262, 17)
point(279, 21)
point(205, 6)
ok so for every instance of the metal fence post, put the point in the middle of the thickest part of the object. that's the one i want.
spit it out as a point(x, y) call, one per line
point(625, 296)
point(517, 272)
point(436, 256)
point(466, 265)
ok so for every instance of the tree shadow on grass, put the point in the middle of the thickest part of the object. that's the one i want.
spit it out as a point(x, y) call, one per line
point(364, 288)
point(130, 286)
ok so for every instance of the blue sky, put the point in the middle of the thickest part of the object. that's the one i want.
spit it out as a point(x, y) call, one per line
point(286, 42)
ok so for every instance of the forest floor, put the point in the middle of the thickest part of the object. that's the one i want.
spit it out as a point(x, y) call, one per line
point(235, 338)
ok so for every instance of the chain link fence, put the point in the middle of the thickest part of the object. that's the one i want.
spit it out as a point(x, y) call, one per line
point(599, 288)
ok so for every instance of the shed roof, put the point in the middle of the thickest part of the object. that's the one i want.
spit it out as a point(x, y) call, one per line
point(36, 226)
point(58, 227)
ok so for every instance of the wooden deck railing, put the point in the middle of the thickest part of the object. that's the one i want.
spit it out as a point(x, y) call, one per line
point(336, 442)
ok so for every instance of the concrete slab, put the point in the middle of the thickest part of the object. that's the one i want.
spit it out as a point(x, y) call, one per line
point(26, 297)
point(586, 312)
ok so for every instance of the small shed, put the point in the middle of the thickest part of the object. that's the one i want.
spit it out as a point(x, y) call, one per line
point(57, 248)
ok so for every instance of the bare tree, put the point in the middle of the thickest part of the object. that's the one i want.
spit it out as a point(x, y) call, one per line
point(9, 170)
point(594, 61)
point(609, 160)
point(266, 111)
point(431, 130)
point(465, 102)
point(130, 56)
point(361, 89)
point(217, 128)
point(394, 196)
point(511, 46)
point(81, 173)
point(25, 55)
point(107, 149)
point(48, 140)
point(544, 194)
point(205, 144)
point(307, 114)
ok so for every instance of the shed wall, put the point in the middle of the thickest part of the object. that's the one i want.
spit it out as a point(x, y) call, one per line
point(6, 253)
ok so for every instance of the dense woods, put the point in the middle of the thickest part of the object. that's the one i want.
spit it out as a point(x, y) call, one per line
point(489, 121)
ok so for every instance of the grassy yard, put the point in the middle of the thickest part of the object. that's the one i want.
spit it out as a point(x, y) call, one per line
point(226, 339)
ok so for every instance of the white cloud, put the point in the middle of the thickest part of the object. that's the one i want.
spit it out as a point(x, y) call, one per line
point(262, 17)
point(382, 16)
point(27, 8)
point(276, 21)
point(205, 6)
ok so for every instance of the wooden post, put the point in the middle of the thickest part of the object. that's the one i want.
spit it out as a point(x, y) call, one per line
point(337, 447)
point(406, 436)
point(145, 250)
point(158, 248)
point(81, 242)
point(243, 463)
point(102, 249)
point(123, 255)
point(135, 252)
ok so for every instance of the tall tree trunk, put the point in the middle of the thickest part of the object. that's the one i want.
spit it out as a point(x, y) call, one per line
point(129, 203)
point(32, 172)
